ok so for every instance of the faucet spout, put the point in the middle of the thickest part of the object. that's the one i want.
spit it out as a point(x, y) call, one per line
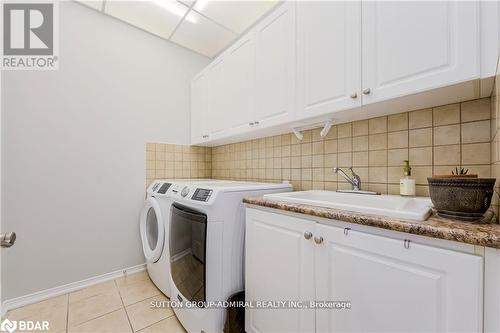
point(354, 180)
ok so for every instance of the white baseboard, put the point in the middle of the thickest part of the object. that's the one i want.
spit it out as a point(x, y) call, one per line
point(67, 288)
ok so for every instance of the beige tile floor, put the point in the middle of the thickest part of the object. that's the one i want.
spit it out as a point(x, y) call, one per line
point(120, 305)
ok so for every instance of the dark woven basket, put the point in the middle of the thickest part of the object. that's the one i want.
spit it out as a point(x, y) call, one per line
point(461, 198)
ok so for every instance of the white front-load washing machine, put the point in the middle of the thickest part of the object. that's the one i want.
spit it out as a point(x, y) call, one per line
point(206, 245)
point(154, 229)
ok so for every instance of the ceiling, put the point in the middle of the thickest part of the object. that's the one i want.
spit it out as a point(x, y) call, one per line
point(204, 26)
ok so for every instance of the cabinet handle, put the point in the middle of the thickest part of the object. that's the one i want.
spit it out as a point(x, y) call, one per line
point(256, 122)
point(367, 91)
point(8, 239)
point(251, 124)
point(308, 235)
point(354, 95)
point(407, 244)
point(318, 240)
point(346, 231)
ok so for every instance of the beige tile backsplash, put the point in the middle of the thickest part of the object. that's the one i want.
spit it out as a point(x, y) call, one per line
point(435, 140)
point(177, 161)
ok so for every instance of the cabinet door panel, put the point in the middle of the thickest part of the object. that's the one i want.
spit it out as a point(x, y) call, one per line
point(279, 267)
point(240, 90)
point(414, 46)
point(199, 107)
point(394, 289)
point(275, 66)
point(329, 56)
point(217, 120)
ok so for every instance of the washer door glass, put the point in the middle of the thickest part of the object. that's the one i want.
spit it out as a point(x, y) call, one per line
point(188, 229)
point(152, 230)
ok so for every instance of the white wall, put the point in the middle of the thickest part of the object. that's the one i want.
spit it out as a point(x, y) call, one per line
point(73, 148)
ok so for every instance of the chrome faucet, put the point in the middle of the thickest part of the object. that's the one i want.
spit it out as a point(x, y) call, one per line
point(354, 180)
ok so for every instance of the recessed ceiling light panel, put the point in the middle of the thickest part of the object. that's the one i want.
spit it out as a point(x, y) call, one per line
point(159, 17)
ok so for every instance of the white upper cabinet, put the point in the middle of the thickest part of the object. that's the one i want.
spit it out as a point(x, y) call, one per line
point(396, 289)
point(199, 107)
point(217, 120)
point(275, 66)
point(409, 47)
point(240, 89)
point(312, 61)
point(328, 56)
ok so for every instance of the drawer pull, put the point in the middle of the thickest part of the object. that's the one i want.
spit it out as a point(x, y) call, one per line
point(407, 244)
point(346, 231)
point(308, 235)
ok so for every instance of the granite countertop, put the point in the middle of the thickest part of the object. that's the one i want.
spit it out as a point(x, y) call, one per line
point(482, 234)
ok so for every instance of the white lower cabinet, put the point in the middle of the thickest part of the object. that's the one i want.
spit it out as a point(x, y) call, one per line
point(391, 287)
point(395, 289)
point(279, 267)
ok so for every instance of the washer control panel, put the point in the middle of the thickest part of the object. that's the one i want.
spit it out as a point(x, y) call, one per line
point(201, 194)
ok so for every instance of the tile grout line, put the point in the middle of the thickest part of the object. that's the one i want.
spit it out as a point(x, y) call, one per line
point(102, 315)
point(123, 304)
point(67, 315)
point(105, 314)
point(98, 317)
point(156, 322)
point(68, 304)
point(159, 321)
point(128, 318)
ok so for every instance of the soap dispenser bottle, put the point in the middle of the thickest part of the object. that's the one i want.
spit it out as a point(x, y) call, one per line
point(407, 185)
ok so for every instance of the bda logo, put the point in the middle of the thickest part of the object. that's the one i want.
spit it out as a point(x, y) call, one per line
point(29, 35)
point(8, 326)
point(23, 325)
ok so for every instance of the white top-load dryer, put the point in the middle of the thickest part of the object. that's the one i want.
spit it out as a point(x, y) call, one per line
point(206, 243)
